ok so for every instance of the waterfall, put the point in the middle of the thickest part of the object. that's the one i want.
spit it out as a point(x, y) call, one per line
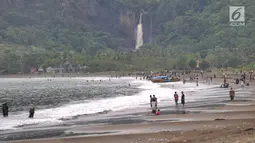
point(139, 33)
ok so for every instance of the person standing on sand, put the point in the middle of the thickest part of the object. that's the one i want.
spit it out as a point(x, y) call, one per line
point(150, 100)
point(31, 112)
point(242, 83)
point(154, 99)
point(176, 98)
point(184, 81)
point(232, 94)
point(153, 108)
point(183, 99)
point(153, 105)
point(202, 74)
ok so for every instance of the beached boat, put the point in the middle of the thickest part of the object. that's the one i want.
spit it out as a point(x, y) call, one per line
point(161, 79)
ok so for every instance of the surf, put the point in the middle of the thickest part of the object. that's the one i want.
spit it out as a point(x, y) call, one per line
point(113, 103)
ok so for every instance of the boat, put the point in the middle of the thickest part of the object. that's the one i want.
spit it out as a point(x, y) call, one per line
point(162, 79)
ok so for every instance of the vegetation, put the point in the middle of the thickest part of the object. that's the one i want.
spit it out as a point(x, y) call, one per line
point(99, 34)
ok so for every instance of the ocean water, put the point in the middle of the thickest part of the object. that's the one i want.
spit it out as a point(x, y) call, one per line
point(56, 99)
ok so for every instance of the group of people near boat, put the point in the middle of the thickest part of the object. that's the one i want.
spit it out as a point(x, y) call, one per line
point(5, 111)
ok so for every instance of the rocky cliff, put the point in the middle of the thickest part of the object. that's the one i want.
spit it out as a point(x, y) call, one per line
point(113, 18)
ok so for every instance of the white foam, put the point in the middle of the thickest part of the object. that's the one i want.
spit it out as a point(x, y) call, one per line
point(95, 106)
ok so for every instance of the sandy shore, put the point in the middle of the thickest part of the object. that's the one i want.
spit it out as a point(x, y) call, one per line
point(237, 126)
point(228, 131)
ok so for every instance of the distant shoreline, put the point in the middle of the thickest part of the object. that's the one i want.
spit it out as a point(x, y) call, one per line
point(108, 73)
point(59, 75)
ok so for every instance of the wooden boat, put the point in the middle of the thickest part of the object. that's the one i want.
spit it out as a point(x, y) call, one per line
point(162, 79)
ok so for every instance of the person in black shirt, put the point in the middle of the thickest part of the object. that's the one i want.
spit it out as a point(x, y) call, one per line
point(5, 109)
point(31, 112)
point(150, 100)
point(183, 99)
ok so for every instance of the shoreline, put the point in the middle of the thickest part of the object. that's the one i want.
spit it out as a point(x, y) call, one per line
point(108, 73)
point(241, 115)
point(144, 132)
point(235, 113)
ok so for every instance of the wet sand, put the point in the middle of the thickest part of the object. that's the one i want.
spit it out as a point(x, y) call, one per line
point(229, 127)
point(228, 131)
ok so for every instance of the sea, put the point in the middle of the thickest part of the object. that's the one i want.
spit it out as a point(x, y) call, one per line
point(57, 100)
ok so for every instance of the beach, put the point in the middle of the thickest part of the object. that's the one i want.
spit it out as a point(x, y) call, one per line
point(209, 116)
point(209, 128)
point(213, 128)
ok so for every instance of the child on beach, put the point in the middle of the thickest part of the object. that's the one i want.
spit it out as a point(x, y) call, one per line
point(158, 112)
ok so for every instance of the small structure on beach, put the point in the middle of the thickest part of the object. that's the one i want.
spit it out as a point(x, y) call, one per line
point(54, 70)
point(73, 68)
point(33, 70)
point(40, 70)
point(198, 63)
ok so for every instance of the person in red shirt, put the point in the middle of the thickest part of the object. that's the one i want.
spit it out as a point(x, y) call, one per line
point(176, 98)
point(158, 112)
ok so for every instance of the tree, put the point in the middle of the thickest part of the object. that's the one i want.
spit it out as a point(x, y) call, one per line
point(192, 63)
point(99, 36)
point(203, 54)
point(233, 62)
point(181, 62)
point(204, 65)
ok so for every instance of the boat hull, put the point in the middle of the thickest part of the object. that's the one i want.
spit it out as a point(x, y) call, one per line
point(163, 81)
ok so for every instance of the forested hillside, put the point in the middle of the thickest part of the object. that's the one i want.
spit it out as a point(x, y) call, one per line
point(101, 34)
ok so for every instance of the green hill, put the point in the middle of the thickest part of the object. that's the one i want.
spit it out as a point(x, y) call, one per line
point(101, 34)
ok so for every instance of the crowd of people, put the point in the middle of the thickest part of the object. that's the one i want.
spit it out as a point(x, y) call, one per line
point(208, 79)
point(154, 102)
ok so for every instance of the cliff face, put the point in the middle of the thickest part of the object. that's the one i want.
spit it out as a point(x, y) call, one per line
point(111, 17)
point(90, 25)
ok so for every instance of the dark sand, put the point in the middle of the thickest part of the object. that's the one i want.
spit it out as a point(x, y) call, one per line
point(228, 127)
